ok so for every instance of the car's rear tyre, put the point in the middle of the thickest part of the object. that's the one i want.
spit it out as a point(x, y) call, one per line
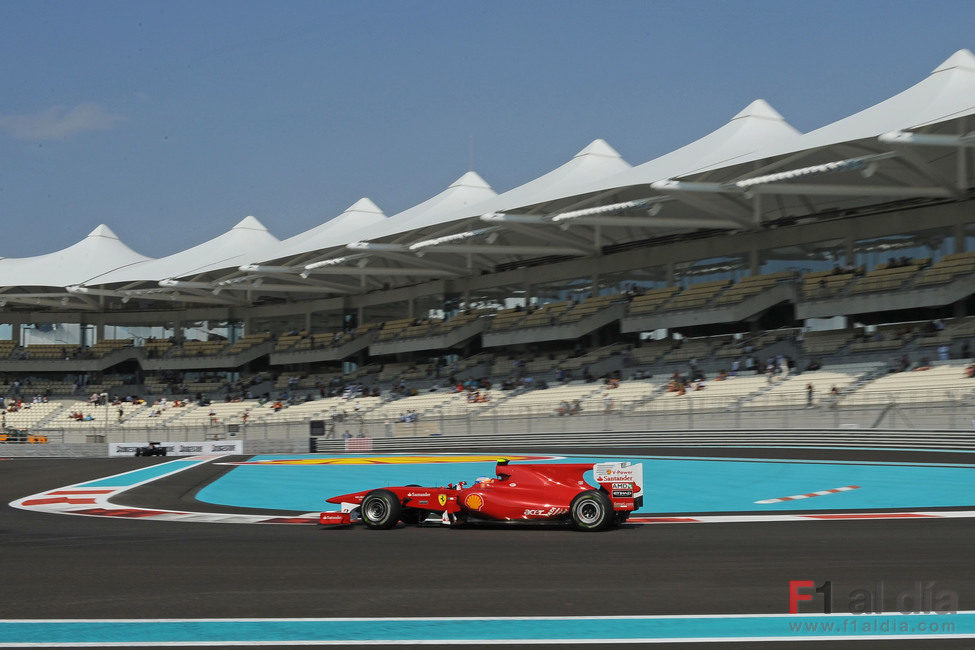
point(592, 511)
point(380, 509)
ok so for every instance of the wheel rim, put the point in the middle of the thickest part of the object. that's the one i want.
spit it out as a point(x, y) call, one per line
point(588, 512)
point(376, 510)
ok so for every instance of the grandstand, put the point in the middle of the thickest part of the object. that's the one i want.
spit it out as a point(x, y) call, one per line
point(846, 251)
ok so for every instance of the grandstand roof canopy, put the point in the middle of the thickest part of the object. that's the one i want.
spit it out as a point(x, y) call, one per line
point(753, 171)
point(247, 238)
point(334, 232)
point(99, 253)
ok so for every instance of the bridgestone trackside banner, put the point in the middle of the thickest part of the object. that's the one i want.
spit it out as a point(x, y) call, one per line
point(180, 448)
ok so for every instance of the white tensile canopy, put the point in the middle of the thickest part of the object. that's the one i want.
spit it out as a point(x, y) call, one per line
point(751, 130)
point(946, 94)
point(455, 202)
point(245, 240)
point(912, 146)
point(334, 232)
point(98, 253)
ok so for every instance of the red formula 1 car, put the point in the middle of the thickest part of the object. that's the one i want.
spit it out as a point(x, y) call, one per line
point(554, 493)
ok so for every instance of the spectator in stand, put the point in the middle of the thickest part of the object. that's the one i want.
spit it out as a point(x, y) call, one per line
point(809, 395)
point(943, 352)
point(966, 350)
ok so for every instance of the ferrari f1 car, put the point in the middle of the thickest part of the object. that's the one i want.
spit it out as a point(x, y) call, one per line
point(552, 493)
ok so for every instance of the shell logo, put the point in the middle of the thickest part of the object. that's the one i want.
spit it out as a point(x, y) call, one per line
point(474, 501)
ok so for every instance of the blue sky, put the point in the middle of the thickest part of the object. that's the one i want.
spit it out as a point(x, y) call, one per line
point(171, 121)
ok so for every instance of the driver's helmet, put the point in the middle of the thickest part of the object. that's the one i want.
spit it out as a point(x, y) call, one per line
point(483, 481)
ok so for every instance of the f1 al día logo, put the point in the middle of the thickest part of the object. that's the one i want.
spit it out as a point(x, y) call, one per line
point(922, 597)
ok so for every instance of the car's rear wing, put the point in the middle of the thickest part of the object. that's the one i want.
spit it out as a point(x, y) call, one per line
point(621, 480)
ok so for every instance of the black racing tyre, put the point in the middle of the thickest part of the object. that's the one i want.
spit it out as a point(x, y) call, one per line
point(592, 511)
point(380, 509)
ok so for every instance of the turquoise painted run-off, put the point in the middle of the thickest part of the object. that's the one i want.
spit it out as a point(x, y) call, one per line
point(571, 629)
point(674, 485)
point(140, 475)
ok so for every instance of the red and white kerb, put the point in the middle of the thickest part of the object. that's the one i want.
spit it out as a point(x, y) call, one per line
point(845, 488)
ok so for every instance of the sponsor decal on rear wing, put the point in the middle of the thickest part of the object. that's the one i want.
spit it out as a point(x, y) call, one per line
point(621, 479)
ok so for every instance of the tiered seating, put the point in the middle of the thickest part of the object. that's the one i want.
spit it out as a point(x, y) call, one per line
point(696, 295)
point(942, 383)
point(394, 370)
point(544, 402)
point(502, 366)
point(198, 349)
point(158, 386)
point(30, 415)
point(313, 410)
point(247, 342)
point(947, 269)
point(718, 395)
point(696, 348)
point(887, 278)
point(458, 404)
point(420, 403)
point(362, 371)
point(546, 315)
point(107, 346)
point(827, 341)
point(588, 307)
point(102, 416)
point(392, 329)
point(737, 348)
point(750, 286)
point(287, 341)
point(471, 361)
point(224, 413)
point(792, 391)
point(156, 348)
point(507, 318)
point(307, 381)
point(426, 327)
point(955, 328)
point(624, 396)
point(651, 300)
point(108, 385)
point(153, 415)
point(887, 337)
point(575, 363)
point(651, 350)
point(40, 386)
point(463, 318)
point(50, 351)
point(823, 284)
point(546, 363)
point(6, 348)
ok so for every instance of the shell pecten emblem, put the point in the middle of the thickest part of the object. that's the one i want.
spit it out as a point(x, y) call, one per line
point(474, 501)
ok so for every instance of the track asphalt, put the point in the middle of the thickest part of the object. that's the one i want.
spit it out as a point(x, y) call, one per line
point(86, 567)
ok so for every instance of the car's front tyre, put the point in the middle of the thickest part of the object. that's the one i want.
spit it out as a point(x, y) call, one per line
point(592, 511)
point(380, 509)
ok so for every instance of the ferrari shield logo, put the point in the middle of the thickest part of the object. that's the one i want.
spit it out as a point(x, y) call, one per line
point(442, 498)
